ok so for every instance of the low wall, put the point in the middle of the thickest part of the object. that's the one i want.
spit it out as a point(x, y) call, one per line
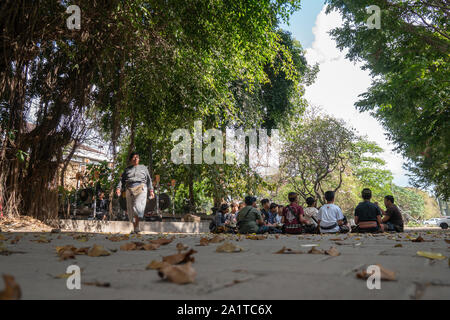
point(126, 227)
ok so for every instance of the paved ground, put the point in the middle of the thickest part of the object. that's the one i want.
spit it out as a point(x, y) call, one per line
point(255, 273)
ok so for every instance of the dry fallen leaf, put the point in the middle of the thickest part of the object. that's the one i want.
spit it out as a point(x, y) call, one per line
point(139, 246)
point(156, 265)
point(162, 241)
point(398, 245)
point(97, 251)
point(418, 239)
point(228, 247)
point(12, 289)
point(385, 274)
point(431, 255)
point(288, 251)
point(118, 238)
point(216, 239)
point(42, 240)
point(204, 241)
point(179, 274)
point(315, 251)
point(332, 252)
point(128, 246)
point(256, 237)
point(81, 237)
point(150, 246)
point(181, 247)
point(448, 241)
point(66, 252)
point(180, 257)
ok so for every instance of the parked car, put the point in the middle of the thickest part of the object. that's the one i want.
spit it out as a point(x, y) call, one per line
point(443, 222)
point(431, 222)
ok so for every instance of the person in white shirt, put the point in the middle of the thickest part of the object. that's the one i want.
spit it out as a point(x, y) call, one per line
point(330, 216)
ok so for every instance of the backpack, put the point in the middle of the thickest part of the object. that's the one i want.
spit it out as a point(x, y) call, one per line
point(292, 223)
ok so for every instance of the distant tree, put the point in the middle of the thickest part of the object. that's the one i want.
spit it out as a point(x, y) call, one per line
point(315, 150)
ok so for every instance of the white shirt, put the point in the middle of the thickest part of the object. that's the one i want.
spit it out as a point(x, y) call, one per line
point(328, 215)
point(278, 219)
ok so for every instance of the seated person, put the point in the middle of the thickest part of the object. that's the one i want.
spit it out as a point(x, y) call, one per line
point(293, 215)
point(311, 212)
point(265, 211)
point(249, 219)
point(330, 217)
point(279, 216)
point(392, 218)
point(231, 217)
point(221, 218)
point(367, 214)
point(102, 207)
point(273, 211)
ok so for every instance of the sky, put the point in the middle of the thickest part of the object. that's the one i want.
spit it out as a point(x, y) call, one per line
point(339, 81)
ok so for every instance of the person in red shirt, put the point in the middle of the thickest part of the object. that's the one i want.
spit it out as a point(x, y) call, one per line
point(293, 215)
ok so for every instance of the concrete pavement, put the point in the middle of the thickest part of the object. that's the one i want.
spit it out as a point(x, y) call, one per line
point(255, 273)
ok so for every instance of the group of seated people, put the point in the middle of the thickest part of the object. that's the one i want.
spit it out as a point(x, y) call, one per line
point(246, 218)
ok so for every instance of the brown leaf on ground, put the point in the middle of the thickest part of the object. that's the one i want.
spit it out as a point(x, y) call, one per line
point(162, 241)
point(418, 239)
point(139, 246)
point(315, 251)
point(228, 247)
point(216, 239)
point(333, 252)
point(181, 247)
point(285, 250)
point(97, 251)
point(180, 257)
point(179, 274)
point(277, 236)
point(398, 245)
point(150, 246)
point(156, 265)
point(118, 238)
point(336, 239)
point(256, 237)
point(385, 274)
point(81, 251)
point(81, 237)
point(66, 252)
point(42, 240)
point(12, 289)
point(204, 241)
point(128, 246)
point(448, 241)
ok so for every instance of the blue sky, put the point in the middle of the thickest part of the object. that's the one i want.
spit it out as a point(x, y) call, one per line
point(302, 22)
point(339, 81)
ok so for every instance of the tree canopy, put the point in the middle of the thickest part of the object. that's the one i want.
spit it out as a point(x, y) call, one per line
point(409, 61)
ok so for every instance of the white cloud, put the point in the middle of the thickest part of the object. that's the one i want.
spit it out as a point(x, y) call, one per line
point(338, 85)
